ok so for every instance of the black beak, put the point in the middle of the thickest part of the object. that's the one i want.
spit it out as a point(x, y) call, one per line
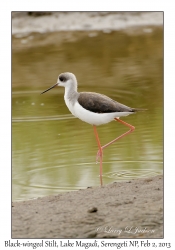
point(49, 88)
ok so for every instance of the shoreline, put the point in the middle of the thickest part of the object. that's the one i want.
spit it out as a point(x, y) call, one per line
point(132, 209)
point(24, 23)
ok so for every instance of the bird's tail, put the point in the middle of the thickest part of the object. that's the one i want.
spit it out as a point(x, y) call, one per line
point(137, 110)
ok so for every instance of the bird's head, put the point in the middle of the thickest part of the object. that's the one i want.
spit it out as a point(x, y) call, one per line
point(67, 80)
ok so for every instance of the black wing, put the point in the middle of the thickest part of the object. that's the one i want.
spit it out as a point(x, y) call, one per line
point(99, 103)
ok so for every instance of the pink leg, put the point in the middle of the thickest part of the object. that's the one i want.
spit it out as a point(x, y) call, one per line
point(100, 153)
point(128, 132)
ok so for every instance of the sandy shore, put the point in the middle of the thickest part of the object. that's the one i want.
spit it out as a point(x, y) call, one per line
point(44, 22)
point(132, 209)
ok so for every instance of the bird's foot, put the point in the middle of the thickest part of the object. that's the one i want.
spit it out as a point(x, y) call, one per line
point(99, 154)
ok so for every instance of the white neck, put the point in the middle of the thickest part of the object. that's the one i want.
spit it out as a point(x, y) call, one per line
point(71, 93)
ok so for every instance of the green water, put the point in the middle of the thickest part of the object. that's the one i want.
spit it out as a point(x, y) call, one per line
point(54, 152)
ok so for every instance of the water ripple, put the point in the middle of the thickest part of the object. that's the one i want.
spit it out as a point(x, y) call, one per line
point(43, 118)
point(124, 175)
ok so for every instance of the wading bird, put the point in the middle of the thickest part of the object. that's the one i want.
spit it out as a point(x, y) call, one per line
point(93, 108)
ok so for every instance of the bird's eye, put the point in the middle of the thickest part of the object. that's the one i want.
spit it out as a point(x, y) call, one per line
point(61, 79)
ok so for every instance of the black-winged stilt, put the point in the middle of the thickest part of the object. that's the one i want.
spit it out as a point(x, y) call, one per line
point(93, 108)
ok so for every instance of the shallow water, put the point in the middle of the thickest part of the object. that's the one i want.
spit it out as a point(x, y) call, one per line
point(54, 152)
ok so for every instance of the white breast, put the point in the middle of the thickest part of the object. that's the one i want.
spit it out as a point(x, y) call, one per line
point(69, 105)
